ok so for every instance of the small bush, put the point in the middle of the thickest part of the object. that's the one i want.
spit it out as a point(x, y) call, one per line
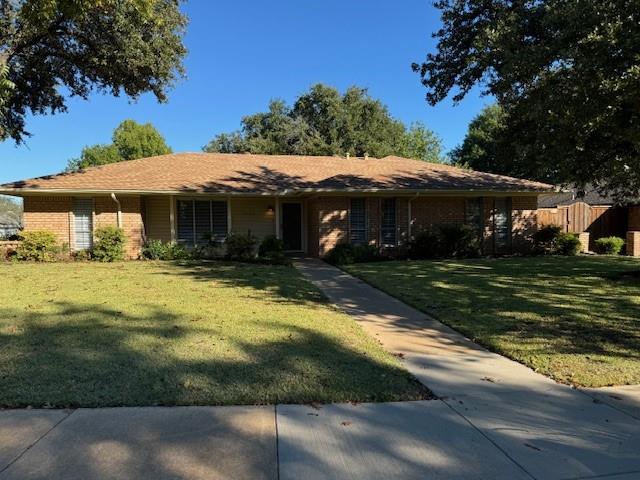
point(271, 250)
point(367, 253)
point(346, 253)
point(108, 245)
point(241, 247)
point(567, 244)
point(271, 245)
point(544, 239)
point(341, 254)
point(37, 246)
point(159, 250)
point(609, 245)
point(459, 241)
point(426, 244)
point(81, 255)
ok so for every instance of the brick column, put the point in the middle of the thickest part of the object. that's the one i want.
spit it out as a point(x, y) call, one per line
point(633, 244)
point(584, 241)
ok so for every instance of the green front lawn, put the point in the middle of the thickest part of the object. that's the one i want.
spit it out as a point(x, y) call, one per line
point(86, 334)
point(576, 319)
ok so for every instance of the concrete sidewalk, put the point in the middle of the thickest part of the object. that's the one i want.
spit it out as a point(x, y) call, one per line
point(139, 443)
point(550, 431)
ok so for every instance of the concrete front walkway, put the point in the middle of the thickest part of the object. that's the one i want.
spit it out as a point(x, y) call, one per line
point(548, 430)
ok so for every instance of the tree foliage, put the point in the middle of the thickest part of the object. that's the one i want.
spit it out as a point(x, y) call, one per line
point(567, 74)
point(484, 147)
point(112, 46)
point(323, 121)
point(131, 140)
point(11, 207)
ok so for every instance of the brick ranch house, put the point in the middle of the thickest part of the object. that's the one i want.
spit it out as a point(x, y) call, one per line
point(311, 203)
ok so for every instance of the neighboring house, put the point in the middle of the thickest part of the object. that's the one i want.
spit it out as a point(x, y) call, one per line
point(9, 225)
point(311, 203)
point(588, 211)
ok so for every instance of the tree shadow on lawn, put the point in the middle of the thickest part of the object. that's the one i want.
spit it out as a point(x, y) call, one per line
point(92, 355)
point(490, 300)
point(282, 283)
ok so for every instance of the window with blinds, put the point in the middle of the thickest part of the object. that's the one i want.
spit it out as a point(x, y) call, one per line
point(502, 219)
point(388, 224)
point(473, 213)
point(82, 223)
point(358, 221)
point(201, 220)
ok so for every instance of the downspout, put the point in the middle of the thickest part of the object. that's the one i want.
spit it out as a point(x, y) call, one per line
point(410, 220)
point(119, 212)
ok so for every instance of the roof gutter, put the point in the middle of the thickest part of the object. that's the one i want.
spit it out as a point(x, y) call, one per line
point(283, 193)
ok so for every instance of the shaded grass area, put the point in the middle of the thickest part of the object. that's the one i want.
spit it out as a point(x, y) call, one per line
point(574, 319)
point(135, 333)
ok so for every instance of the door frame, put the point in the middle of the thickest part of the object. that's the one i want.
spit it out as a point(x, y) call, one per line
point(302, 223)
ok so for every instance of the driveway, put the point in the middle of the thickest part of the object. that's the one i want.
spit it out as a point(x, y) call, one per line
point(495, 419)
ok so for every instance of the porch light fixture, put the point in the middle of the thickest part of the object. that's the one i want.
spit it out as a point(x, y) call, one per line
point(270, 210)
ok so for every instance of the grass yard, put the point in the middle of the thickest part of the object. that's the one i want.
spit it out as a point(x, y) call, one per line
point(574, 319)
point(135, 333)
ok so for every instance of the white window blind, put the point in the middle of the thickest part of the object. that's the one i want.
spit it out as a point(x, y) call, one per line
point(83, 223)
point(199, 220)
point(358, 221)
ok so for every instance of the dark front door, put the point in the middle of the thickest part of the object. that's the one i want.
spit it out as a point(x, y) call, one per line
point(292, 226)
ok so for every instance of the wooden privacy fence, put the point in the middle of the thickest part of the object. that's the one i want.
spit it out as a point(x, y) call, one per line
point(599, 221)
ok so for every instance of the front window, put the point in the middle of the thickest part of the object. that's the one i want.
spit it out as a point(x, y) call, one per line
point(474, 213)
point(358, 221)
point(502, 220)
point(201, 221)
point(388, 222)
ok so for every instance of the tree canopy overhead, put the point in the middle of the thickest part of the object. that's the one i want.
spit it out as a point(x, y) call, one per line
point(323, 121)
point(112, 46)
point(131, 140)
point(567, 74)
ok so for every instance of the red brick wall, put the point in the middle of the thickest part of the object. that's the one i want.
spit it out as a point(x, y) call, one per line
point(105, 213)
point(55, 214)
point(313, 227)
point(373, 220)
point(329, 220)
point(430, 212)
point(333, 220)
point(524, 220)
point(49, 213)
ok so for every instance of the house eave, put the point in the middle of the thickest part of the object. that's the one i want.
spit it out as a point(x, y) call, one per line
point(282, 193)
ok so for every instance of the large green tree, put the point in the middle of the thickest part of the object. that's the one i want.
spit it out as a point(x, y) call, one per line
point(131, 140)
point(567, 74)
point(323, 121)
point(484, 147)
point(49, 48)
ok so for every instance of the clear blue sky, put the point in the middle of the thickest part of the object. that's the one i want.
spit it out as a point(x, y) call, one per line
point(243, 53)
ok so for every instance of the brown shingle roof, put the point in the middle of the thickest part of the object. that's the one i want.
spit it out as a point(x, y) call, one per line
point(271, 174)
